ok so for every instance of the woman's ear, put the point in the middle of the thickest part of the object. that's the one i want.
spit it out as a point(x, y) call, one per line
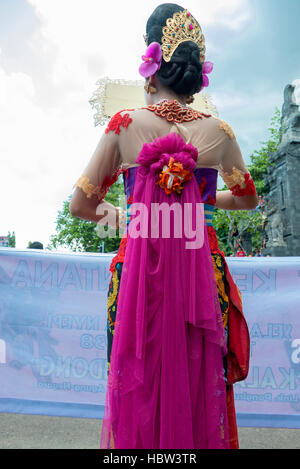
point(153, 80)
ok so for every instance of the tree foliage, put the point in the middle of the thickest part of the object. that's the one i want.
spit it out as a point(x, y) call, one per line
point(260, 158)
point(80, 235)
point(11, 239)
point(249, 223)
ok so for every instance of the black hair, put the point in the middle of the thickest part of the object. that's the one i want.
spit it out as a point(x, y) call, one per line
point(36, 245)
point(183, 74)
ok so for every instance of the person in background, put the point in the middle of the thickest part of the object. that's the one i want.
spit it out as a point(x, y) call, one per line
point(36, 245)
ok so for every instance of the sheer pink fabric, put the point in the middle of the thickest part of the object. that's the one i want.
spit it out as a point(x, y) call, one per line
point(166, 387)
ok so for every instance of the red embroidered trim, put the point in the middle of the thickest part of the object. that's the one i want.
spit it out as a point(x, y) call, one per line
point(213, 240)
point(202, 185)
point(130, 199)
point(109, 181)
point(173, 112)
point(211, 200)
point(119, 257)
point(117, 120)
point(250, 189)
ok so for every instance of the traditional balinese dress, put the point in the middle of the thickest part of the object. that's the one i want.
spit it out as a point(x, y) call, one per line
point(177, 336)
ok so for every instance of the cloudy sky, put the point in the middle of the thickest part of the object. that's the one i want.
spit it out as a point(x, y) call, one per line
point(52, 52)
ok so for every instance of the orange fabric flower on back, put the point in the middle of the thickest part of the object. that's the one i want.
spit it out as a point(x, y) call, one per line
point(173, 176)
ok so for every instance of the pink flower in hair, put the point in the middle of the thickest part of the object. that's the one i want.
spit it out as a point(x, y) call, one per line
point(207, 68)
point(152, 60)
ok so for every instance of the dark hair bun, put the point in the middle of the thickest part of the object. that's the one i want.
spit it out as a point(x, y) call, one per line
point(183, 74)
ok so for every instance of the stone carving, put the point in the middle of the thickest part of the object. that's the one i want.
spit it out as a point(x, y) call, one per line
point(282, 223)
point(274, 225)
point(289, 105)
point(290, 120)
point(276, 232)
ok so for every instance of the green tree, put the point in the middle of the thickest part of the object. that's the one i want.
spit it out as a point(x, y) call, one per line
point(80, 235)
point(11, 239)
point(249, 223)
point(260, 158)
point(226, 221)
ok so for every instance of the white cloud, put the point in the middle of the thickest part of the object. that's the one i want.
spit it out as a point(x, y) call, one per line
point(230, 101)
point(43, 152)
point(94, 37)
point(234, 101)
point(232, 13)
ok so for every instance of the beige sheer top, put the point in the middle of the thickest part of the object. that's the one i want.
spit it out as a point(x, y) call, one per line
point(124, 137)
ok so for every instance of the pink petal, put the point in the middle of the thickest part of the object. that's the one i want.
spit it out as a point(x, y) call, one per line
point(205, 80)
point(207, 67)
point(148, 69)
point(154, 51)
point(145, 57)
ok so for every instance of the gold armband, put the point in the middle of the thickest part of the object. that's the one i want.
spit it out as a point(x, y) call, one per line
point(88, 188)
point(239, 183)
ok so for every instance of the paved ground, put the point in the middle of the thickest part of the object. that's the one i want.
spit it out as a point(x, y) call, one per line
point(18, 431)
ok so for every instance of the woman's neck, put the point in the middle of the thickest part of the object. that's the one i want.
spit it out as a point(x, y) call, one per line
point(167, 95)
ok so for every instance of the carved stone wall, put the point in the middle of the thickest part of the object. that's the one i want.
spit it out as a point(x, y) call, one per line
point(283, 179)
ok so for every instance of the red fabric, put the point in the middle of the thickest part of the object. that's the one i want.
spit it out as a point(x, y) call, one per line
point(249, 189)
point(240, 254)
point(239, 339)
point(119, 257)
point(238, 357)
point(231, 415)
point(213, 241)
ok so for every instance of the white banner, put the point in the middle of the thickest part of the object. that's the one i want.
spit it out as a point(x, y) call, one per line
point(53, 319)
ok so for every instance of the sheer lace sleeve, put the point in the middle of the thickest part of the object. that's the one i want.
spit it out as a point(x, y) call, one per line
point(103, 169)
point(232, 168)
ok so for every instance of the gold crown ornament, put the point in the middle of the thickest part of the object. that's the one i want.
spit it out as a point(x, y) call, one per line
point(182, 27)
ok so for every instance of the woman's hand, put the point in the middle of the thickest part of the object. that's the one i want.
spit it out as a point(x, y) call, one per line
point(120, 218)
point(91, 209)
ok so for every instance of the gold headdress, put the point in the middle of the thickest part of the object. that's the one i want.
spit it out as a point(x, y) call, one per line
point(180, 28)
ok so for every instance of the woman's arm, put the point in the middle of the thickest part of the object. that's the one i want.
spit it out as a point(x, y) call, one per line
point(242, 193)
point(100, 173)
point(226, 201)
point(91, 210)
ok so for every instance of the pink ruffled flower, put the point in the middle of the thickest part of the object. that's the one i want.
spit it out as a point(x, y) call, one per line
point(152, 60)
point(207, 68)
